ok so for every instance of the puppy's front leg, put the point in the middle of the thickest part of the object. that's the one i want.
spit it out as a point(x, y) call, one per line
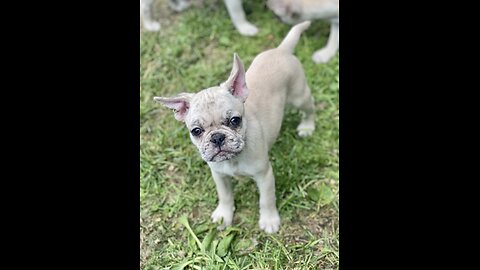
point(226, 205)
point(237, 15)
point(269, 218)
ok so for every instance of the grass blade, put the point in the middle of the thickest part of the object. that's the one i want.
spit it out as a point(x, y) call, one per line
point(184, 221)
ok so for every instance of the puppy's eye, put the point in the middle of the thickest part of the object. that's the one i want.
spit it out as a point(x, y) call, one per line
point(196, 131)
point(235, 121)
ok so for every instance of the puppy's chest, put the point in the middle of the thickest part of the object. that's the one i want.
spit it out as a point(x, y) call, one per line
point(232, 168)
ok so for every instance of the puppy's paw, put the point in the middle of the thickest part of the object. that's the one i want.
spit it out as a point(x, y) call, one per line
point(223, 212)
point(246, 29)
point(151, 26)
point(322, 56)
point(305, 129)
point(270, 222)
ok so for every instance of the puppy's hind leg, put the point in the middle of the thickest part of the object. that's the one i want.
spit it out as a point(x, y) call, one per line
point(304, 102)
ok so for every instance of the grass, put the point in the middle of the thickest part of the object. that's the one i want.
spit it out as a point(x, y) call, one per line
point(194, 51)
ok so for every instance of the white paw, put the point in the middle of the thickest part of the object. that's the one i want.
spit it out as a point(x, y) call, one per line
point(247, 29)
point(322, 56)
point(270, 222)
point(305, 129)
point(152, 26)
point(225, 212)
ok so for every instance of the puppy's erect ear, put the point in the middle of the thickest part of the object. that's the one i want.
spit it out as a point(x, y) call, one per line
point(179, 103)
point(236, 83)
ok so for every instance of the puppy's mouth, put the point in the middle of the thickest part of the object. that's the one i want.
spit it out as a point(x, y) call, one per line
point(230, 148)
point(222, 155)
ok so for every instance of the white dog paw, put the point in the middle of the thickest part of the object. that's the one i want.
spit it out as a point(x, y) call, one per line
point(305, 132)
point(322, 56)
point(305, 129)
point(152, 26)
point(270, 222)
point(225, 213)
point(247, 29)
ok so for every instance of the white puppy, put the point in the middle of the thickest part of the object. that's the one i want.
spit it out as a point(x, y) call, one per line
point(295, 11)
point(235, 124)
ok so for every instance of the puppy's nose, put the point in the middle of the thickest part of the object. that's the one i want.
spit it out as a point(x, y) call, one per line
point(218, 139)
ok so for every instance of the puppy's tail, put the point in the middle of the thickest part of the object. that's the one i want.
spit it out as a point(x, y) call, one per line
point(291, 40)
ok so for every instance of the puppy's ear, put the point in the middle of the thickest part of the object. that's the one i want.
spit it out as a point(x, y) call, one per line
point(236, 83)
point(180, 104)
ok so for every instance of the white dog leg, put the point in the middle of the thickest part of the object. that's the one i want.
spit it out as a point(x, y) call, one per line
point(325, 54)
point(225, 206)
point(237, 15)
point(146, 14)
point(269, 217)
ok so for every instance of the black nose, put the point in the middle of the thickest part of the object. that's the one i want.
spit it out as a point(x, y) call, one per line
point(218, 139)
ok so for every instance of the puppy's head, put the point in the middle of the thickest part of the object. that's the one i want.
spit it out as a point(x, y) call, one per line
point(214, 116)
point(290, 12)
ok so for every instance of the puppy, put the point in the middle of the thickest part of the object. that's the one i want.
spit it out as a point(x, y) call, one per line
point(295, 11)
point(146, 12)
point(235, 124)
point(234, 7)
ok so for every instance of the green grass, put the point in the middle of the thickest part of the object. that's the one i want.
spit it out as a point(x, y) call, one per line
point(194, 51)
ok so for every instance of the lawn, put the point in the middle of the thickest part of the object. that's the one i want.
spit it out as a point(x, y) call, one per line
point(194, 51)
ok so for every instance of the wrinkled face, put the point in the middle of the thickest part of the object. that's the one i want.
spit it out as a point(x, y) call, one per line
point(216, 124)
point(214, 116)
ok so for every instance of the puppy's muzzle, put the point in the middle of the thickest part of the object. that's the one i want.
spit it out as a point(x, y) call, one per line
point(217, 139)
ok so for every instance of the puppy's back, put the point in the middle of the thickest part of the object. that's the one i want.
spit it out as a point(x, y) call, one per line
point(270, 78)
point(273, 69)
